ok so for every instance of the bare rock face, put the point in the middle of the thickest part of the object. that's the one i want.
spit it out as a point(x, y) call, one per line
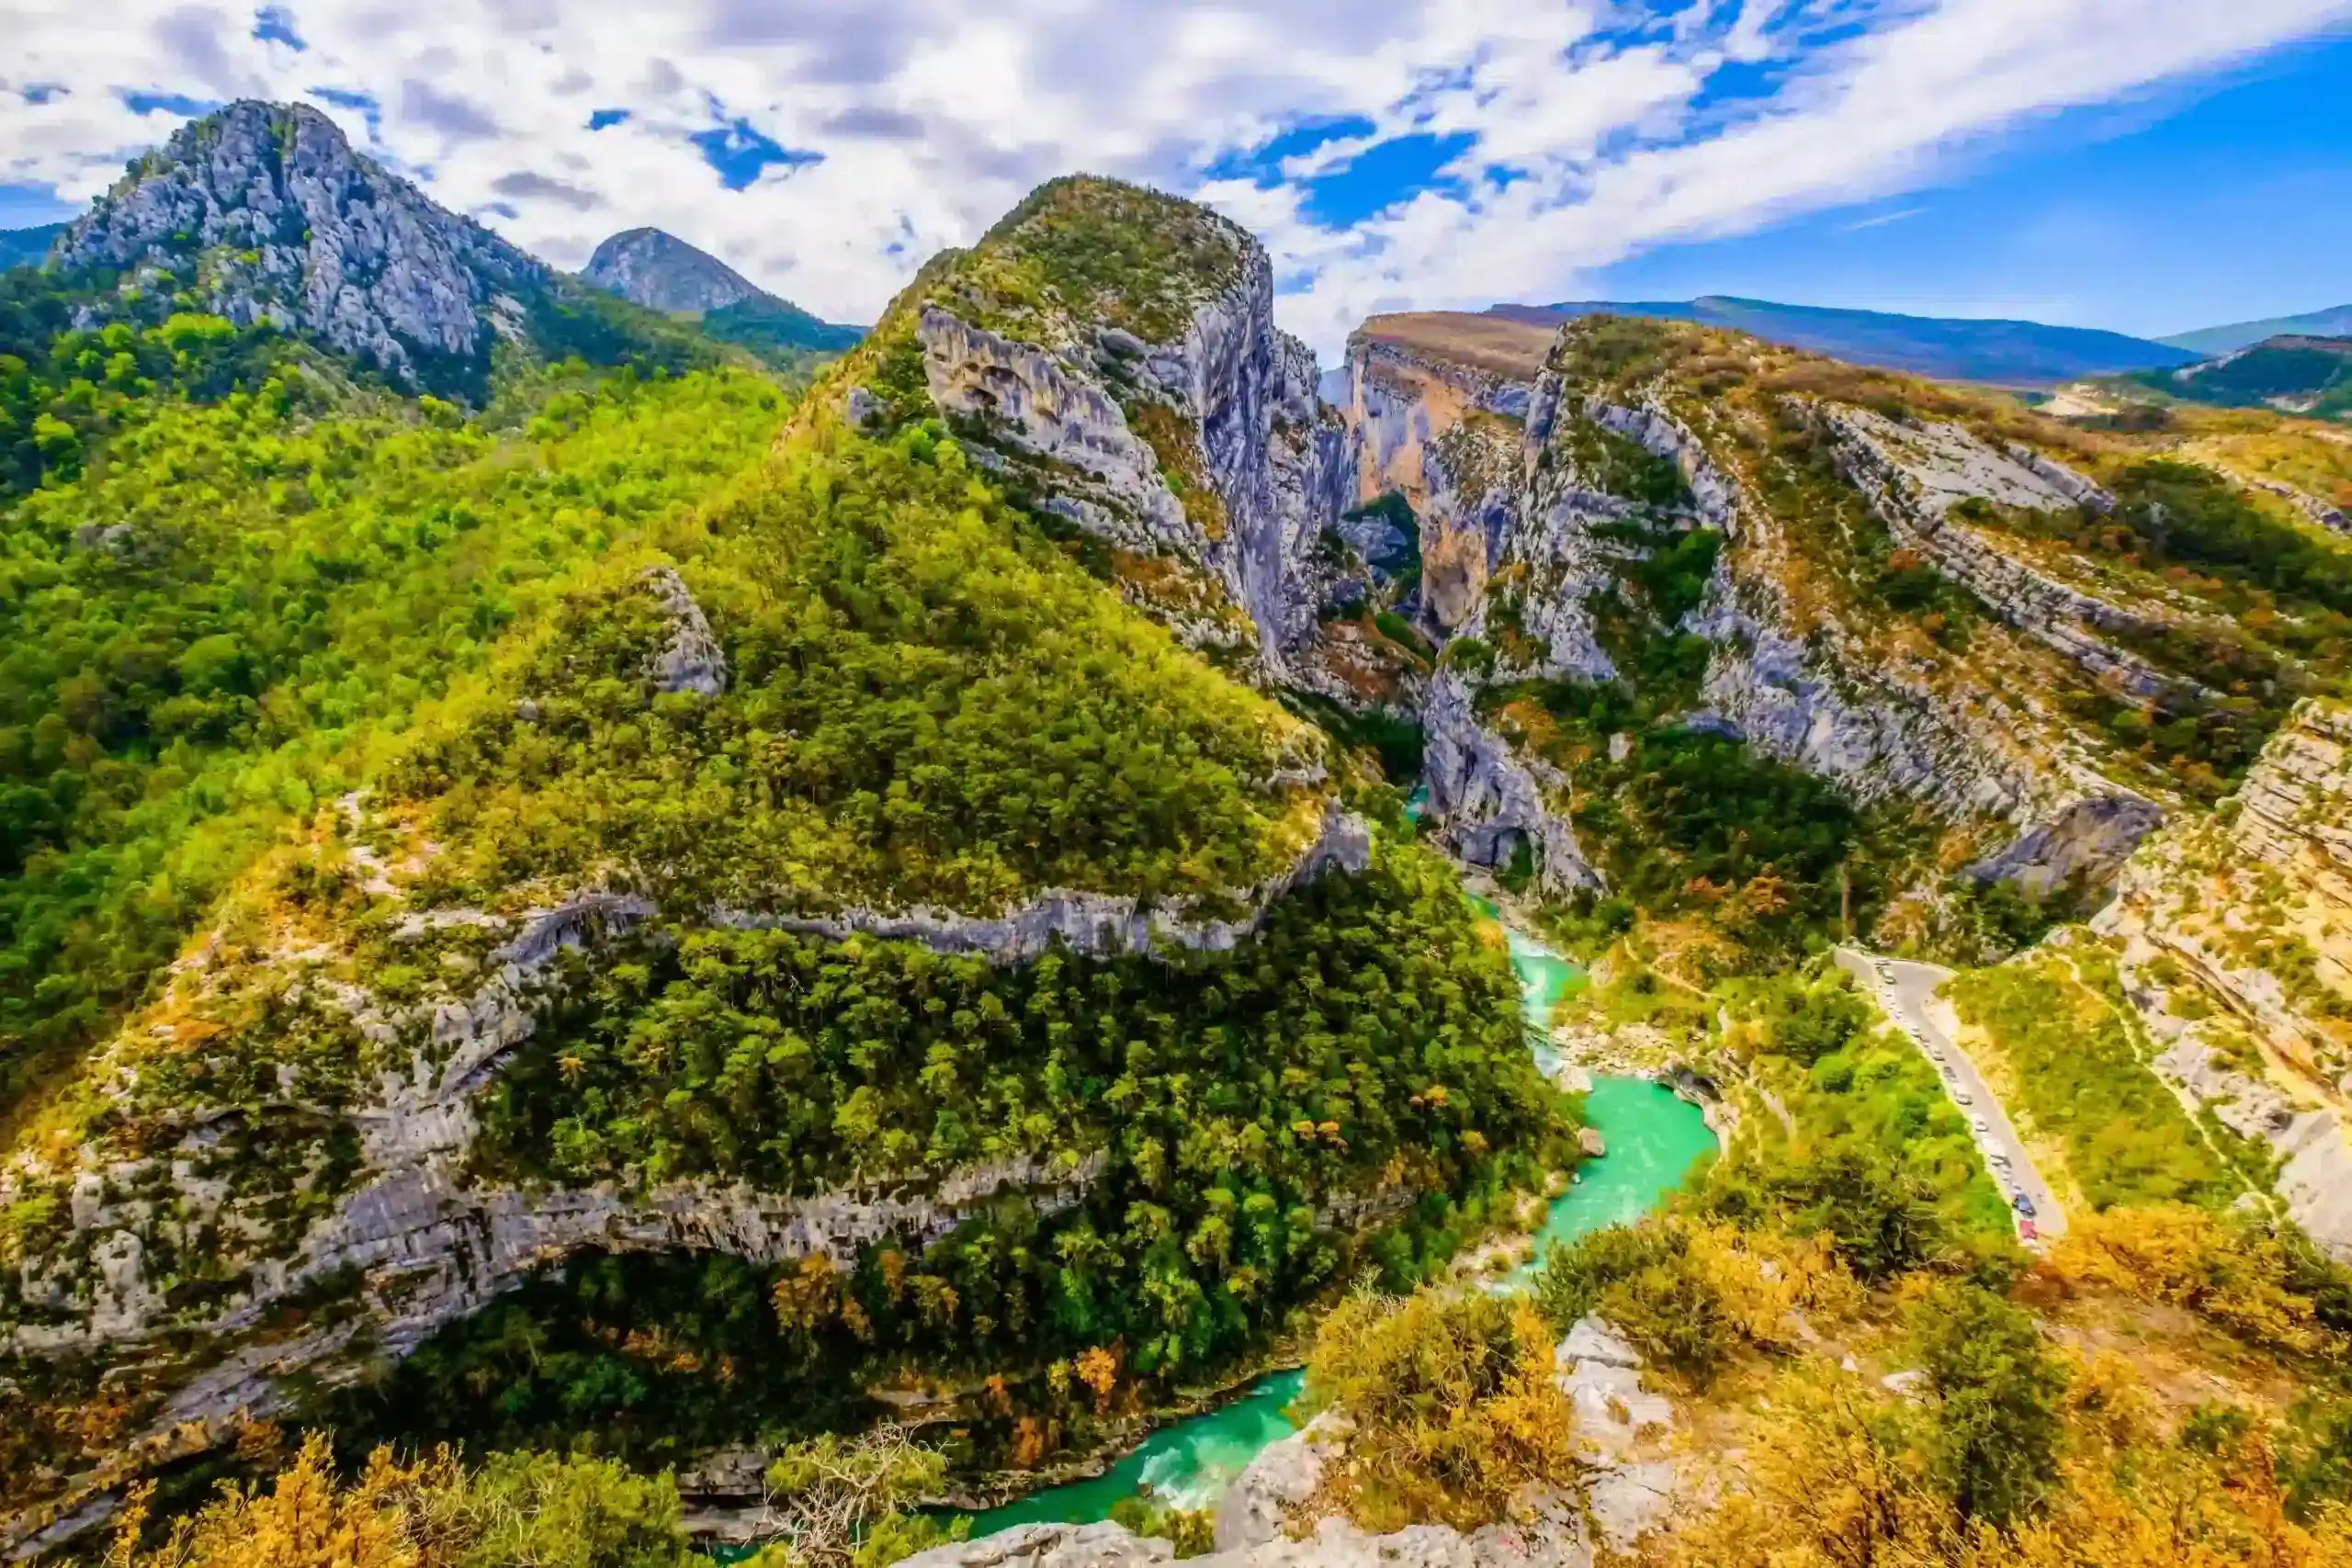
point(1915, 474)
point(301, 230)
point(692, 660)
point(662, 271)
point(2251, 912)
point(1487, 803)
point(1280, 1480)
point(1097, 924)
point(1439, 433)
point(1109, 429)
point(2082, 843)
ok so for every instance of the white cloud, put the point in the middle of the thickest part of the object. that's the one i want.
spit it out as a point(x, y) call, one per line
point(935, 115)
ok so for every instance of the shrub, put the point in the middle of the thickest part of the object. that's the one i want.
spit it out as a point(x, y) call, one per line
point(1455, 1406)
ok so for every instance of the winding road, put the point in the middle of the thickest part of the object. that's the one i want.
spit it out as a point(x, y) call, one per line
point(1909, 999)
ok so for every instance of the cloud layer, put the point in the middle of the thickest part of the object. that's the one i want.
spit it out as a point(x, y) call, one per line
point(1421, 152)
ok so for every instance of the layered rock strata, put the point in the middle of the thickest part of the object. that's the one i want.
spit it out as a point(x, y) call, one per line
point(2251, 911)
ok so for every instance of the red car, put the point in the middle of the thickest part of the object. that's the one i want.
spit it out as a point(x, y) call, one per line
point(2024, 1228)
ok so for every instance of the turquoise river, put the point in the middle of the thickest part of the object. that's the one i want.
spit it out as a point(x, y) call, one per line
point(1652, 1137)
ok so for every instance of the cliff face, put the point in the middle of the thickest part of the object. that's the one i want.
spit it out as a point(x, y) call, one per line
point(1436, 417)
point(1171, 421)
point(283, 222)
point(2238, 955)
point(1542, 487)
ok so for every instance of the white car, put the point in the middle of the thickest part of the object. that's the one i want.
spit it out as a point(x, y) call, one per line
point(1981, 1125)
point(1937, 1052)
point(1997, 1160)
point(1962, 1096)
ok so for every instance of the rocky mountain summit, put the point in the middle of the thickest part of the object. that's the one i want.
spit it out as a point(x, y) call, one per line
point(661, 272)
point(1110, 354)
point(265, 213)
point(284, 221)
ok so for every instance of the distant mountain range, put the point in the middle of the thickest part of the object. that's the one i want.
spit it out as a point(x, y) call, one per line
point(2292, 373)
point(2001, 353)
point(2333, 323)
point(662, 271)
point(27, 247)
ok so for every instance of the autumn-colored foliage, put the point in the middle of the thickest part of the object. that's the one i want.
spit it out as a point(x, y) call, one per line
point(1454, 1406)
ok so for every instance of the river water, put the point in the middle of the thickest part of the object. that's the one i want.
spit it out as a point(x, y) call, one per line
point(1653, 1138)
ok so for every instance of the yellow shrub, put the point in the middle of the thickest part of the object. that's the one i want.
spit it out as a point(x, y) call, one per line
point(1454, 1407)
point(2189, 1258)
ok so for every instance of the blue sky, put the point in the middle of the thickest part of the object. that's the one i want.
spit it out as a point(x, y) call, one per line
point(2227, 200)
point(2148, 166)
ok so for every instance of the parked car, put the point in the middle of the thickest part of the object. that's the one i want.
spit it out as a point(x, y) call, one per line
point(1964, 1096)
point(2025, 1229)
point(1997, 1160)
point(1937, 1052)
point(2023, 1205)
point(1982, 1126)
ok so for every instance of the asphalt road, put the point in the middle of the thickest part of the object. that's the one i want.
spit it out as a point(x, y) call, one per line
point(1910, 1001)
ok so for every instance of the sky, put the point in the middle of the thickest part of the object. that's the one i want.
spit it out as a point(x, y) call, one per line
point(2146, 165)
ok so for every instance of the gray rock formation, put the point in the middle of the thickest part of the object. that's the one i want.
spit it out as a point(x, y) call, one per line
point(692, 660)
point(1914, 475)
point(1413, 418)
point(2081, 844)
point(1097, 924)
point(297, 229)
point(1662, 436)
point(1268, 1494)
point(1487, 803)
point(662, 271)
point(2254, 910)
point(1236, 423)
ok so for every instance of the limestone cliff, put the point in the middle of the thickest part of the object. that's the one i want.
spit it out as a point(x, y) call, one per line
point(1435, 406)
point(2238, 954)
point(1630, 437)
point(1148, 404)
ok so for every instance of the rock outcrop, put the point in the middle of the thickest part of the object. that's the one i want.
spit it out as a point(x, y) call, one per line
point(295, 228)
point(1206, 457)
point(1914, 475)
point(662, 271)
point(1487, 803)
point(692, 660)
point(2252, 912)
point(1443, 431)
point(1097, 924)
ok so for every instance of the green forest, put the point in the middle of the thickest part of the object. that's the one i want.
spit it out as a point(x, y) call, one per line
point(209, 630)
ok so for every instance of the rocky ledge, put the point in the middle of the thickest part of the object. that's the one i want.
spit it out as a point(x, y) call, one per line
point(1265, 1520)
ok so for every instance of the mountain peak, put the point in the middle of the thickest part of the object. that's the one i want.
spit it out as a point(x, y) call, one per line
point(293, 226)
point(659, 271)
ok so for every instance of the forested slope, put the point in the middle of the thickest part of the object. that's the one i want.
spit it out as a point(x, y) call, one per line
point(448, 840)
